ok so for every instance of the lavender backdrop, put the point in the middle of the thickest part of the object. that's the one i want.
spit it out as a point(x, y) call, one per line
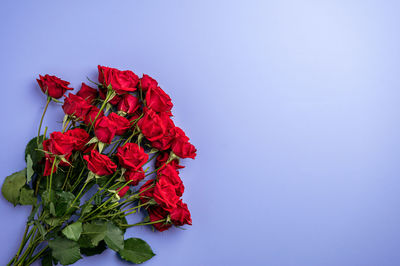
point(293, 106)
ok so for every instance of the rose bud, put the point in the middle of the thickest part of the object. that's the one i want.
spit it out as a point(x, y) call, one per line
point(171, 175)
point(121, 123)
point(151, 125)
point(131, 156)
point(123, 191)
point(147, 82)
point(164, 143)
point(100, 164)
point(81, 137)
point(162, 159)
point(105, 129)
point(165, 195)
point(181, 145)
point(156, 213)
point(158, 100)
point(181, 215)
point(114, 101)
point(128, 104)
point(76, 106)
point(134, 177)
point(89, 94)
point(54, 86)
point(121, 81)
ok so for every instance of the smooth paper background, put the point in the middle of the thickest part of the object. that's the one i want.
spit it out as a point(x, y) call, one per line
point(293, 106)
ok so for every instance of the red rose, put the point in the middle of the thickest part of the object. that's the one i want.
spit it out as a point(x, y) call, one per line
point(165, 195)
point(54, 86)
point(134, 176)
point(87, 93)
point(164, 143)
point(158, 100)
point(121, 122)
point(81, 138)
point(114, 101)
point(121, 81)
point(123, 191)
point(105, 129)
point(156, 214)
point(146, 191)
point(76, 106)
point(171, 175)
point(162, 159)
point(131, 156)
point(147, 82)
point(181, 145)
point(91, 115)
point(129, 104)
point(151, 125)
point(181, 215)
point(59, 144)
point(100, 164)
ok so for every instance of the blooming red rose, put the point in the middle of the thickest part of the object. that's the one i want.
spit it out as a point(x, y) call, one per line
point(89, 94)
point(121, 81)
point(165, 141)
point(76, 106)
point(128, 104)
point(81, 137)
point(91, 115)
point(131, 156)
point(146, 191)
point(147, 82)
point(151, 125)
point(158, 100)
point(121, 122)
point(162, 159)
point(100, 164)
point(134, 177)
point(181, 215)
point(114, 101)
point(165, 195)
point(105, 129)
point(181, 145)
point(59, 144)
point(156, 214)
point(171, 175)
point(123, 191)
point(54, 86)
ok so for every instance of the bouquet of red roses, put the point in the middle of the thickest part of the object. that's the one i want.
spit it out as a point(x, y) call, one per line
point(84, 180)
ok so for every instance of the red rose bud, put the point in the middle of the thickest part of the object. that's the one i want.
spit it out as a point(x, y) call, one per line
point(121, 122)
point(181, 145)
point(151, 125)
point(91, 115)
point(105, 129)
point(158, 100)
point(165, 195)
point(123, 191)
point(76, 106)
point(181, 215)
point(89, 94)
point(103, 94)
point(100, 164)
point(147, 82)
point(131, 156)
point(54, 86)
point(81, 138)
point(129, 104)
point(146, 191)
point(134, 177)
point(164, 143)
point(171, 175)
point(121, 81)
point(156, 214)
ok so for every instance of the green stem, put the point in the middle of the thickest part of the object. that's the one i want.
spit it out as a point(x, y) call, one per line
point(51, 177)
point(41, 120)
point(108, 98)
point(137, 224)
point(37, 256)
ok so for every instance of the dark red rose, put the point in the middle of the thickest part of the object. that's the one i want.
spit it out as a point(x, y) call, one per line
point(162, 159)
point(129, 104)
point(181, 145)
point(89, 94)
point(146, 191)
point(171, 175)
point(54, 86)
point(131, 156)
point(134, 176)
point(165, 195)
point(123, 191)
point(121, 122)
point(121, 81)
point(158, 100)
point(91, 115)
point(114, 101)
point(49, 165)
point(151, 125)
point(181, 215)
point(156, 214)
point(59, 144)
point(100, 164)
point(164, 143)
point(105, 129)
point(81, 137)
point(147, 82)
point(76, 106)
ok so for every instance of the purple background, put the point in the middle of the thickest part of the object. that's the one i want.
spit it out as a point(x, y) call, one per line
point(293, 106)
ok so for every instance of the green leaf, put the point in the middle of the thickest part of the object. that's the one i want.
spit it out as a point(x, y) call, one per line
point(114, 237)
point(95, 231)
point(94, 250)
point(12, 186)
point(27, 196)
point(65, 250)
point(32, 150)
point(47, 259)
point(41, 229)
point(86, 208)
point(62, 201)
point(73, 231)
point(136, 250)
point(29, 169)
